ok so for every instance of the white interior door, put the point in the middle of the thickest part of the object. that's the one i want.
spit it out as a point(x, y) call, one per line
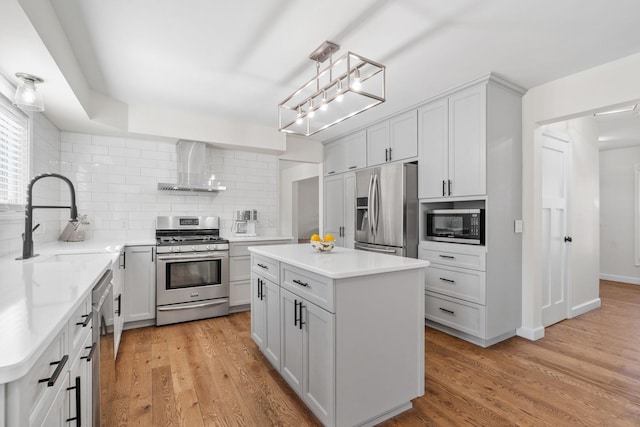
point(555, 237)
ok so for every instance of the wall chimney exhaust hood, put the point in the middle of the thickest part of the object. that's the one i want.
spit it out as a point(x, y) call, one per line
point(192, 172)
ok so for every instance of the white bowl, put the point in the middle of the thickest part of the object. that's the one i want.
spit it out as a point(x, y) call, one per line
point(322, 246)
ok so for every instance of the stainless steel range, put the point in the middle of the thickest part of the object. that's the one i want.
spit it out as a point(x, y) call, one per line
point(192, 269)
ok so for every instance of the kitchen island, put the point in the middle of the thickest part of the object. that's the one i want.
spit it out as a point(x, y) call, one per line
point(345, 329)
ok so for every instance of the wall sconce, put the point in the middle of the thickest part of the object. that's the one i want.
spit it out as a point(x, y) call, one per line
point(27, 96)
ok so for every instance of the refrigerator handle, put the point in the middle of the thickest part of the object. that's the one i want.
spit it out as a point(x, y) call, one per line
point(376, 203)
point(370, 205)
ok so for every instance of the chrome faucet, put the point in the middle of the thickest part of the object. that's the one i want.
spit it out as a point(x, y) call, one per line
point(27, 237)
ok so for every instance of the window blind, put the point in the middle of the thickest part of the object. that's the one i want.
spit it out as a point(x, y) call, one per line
point(14, 153)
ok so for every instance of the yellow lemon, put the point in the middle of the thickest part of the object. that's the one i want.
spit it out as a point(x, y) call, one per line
point(315, 238)
point(328, 238)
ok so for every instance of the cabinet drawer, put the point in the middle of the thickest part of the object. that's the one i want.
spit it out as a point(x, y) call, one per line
point(313, 287)
point(457, 282)
point(239, 268)
point(28, 395)
point(456, 314)
point(455, 256)
point(266, 267)
point(80, 326)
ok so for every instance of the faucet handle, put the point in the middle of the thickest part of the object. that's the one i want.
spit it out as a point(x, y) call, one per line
point(34, 229)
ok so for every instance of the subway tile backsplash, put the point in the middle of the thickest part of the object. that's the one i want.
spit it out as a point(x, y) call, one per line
point(117, 180)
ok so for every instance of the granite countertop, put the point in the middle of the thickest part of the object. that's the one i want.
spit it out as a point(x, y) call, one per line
point(340, 263)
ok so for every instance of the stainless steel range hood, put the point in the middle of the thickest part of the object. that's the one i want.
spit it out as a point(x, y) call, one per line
point(193, 174)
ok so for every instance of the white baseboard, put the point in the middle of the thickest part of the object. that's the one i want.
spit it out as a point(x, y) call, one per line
point(583, 308)
point(624, 279)
point(531, 334)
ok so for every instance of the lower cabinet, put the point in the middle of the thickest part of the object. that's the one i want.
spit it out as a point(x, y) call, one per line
point(324, 338)
point(139, 303)
point(56, 391)
point(307, 353)
point(265, 317)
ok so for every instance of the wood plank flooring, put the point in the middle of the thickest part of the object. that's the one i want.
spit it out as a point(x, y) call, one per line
point(584, 372)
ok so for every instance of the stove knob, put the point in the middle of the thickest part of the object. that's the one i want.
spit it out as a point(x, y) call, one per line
point(193, 248)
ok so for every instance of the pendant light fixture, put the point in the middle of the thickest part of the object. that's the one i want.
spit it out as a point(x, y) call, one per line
point(355, 84)
point(27, 96)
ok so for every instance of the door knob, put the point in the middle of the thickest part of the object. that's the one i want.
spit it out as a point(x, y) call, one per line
point(568, 239)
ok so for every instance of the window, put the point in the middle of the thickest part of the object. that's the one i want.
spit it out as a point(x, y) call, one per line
point(14, 155)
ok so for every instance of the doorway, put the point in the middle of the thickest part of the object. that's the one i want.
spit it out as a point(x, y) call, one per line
point(299, 207)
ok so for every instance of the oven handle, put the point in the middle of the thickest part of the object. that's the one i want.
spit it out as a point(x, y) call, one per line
point(192, 256)
point(186, 307)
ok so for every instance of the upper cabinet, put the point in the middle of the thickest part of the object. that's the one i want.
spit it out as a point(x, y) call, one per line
point(393, 139)
point(452, 141)
point(346, 154)
point(465, 137)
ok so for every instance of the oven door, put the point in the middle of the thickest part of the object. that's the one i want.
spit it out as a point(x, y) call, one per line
point(189, 277)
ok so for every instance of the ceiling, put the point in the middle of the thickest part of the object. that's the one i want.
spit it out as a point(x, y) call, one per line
point(236, 60)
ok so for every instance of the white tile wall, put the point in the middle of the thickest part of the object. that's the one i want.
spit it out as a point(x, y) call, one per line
point(45, 158)
point(117, 180)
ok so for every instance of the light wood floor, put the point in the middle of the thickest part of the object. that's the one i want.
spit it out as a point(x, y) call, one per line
point(585, 372)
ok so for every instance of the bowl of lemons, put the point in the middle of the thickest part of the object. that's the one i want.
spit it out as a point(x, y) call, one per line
point(323, 245)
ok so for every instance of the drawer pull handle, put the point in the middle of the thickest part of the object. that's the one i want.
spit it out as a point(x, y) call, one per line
point(447, 311)
point(78, 417)
point(298, 282)
point(87, 319)
point(263, 266)
point(447, 280)
point(352, 167)
point(90, 355)
point(52, 380)
point(447, 256)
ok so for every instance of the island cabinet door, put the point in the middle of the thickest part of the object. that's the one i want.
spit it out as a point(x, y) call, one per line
point(258, 311)
point(271, 345)
point(319, 362)
point(291, 340)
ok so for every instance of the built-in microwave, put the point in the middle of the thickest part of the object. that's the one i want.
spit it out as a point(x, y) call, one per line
point(455, 226)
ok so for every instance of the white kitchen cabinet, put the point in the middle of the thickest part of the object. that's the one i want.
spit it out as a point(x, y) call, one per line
point(46, 395)
point(452, 135)
point(240, 271)
point(346, 154)
point(56, 415)
point(464, 136)
point(330, 327)
point(393, 139)
point(339, 208)
point(139, 303)
point(307, 353)
point(265, 317)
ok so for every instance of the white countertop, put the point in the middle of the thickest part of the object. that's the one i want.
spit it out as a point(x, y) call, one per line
point(340, 263)
point(38, 296)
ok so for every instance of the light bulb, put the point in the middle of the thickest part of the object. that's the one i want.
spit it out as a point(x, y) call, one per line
point(357, 83)
point(323, 105)
point(311, 111)
point(340, 96)
point(299, 116)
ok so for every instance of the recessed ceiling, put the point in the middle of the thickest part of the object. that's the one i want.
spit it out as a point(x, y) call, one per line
point(238, 59)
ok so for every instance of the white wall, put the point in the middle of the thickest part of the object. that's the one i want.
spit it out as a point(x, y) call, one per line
point(45, 157)
point(612, 84)
point(117, 182)
point(617, 211)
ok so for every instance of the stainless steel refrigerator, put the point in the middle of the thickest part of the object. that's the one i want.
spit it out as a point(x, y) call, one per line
point(387, 209)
